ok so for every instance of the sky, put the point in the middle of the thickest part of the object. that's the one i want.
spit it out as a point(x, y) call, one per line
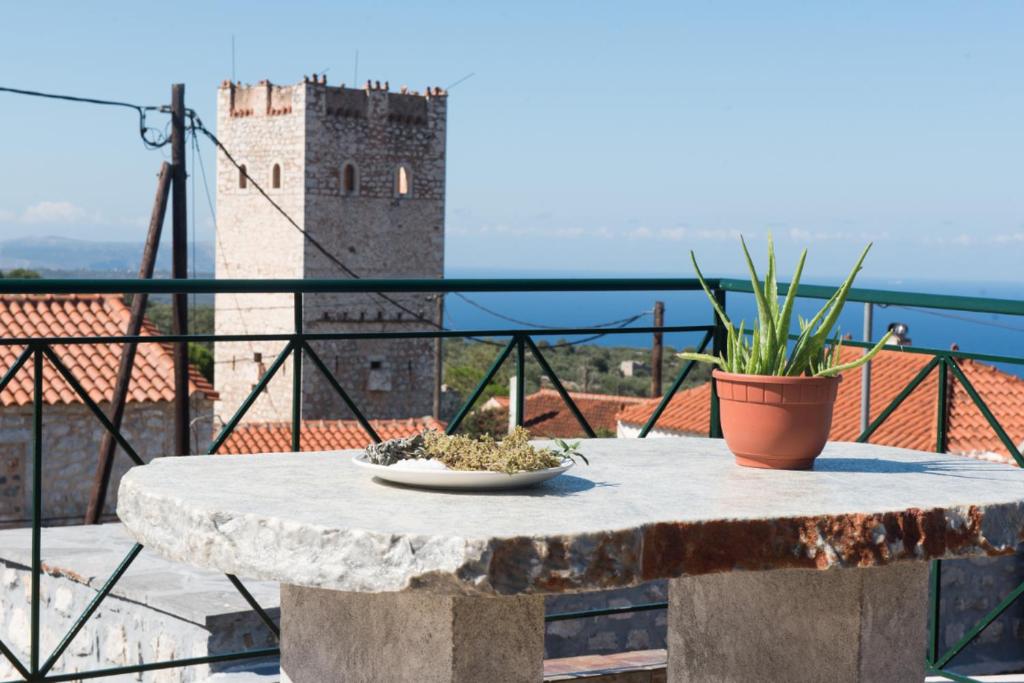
point(591, 137)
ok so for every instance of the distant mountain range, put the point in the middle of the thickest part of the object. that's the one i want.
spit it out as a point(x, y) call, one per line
point(68, 256)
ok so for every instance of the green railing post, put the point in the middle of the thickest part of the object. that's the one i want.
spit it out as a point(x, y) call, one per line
point(297, 377)
point(37, 503)
point(942, 418)
point(520, 392)
point(934, 596)
point(718, 347)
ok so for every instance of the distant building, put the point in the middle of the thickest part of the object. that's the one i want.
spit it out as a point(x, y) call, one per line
point(912, 425)
point(362, 171)
point(71, 433)
point(634, 368)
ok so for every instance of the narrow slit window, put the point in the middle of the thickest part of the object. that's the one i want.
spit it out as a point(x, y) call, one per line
point(348, 179)
point(403, 181)
point(243, 179)
point(275, 177)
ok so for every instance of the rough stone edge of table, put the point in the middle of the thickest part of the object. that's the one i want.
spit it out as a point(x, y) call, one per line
point(585, 562)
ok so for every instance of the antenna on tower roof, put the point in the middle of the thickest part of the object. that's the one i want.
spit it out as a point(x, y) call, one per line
point(464, 78)
point(355, 70)
point(232, 57)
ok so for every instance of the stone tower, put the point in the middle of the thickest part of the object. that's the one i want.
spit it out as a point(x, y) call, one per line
point(362, 171)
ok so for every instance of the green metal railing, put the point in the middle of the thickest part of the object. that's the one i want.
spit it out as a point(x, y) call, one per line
point(520, 345)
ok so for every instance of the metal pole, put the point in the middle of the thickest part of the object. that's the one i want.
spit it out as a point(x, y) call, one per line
point(719, 342)
point(943, 408)
point(180, 268)
point(297, 377)
point(37, 505)
point(97, 498)
point(520, 393)
point(657, 349)
point(865, 372)
point(438, 358)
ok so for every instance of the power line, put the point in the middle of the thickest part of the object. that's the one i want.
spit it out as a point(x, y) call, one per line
point(156, 138)
point(213, 217)
point(197, 124)
point(502, 316)
point(963, 318)
point(153, 138)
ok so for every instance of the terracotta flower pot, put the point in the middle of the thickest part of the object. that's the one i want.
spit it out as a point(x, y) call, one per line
point(777, 423)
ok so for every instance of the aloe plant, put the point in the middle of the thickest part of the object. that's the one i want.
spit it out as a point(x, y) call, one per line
point(765, 349)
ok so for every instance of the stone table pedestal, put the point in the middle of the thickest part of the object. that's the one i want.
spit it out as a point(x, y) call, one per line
point(360, 637)
point(799, 576)
point(800, 626)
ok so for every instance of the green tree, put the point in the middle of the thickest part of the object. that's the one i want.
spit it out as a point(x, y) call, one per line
point(202, 358)
point(21, 274)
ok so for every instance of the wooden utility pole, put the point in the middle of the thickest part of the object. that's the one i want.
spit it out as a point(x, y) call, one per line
point(657, 348)
point(98, 497)
point(179, 241)
point(438, 358)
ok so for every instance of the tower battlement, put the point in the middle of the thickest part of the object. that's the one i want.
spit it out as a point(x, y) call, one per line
point(373, 99)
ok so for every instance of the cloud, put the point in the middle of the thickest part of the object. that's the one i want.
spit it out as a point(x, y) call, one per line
point(52, 212)
point(677, 234)
point(571, 233)
point(801, 235)
point(1008, 238)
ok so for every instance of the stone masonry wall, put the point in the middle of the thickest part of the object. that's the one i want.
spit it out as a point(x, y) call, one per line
point(158, 611)
point(373, 231)
point(71, 441)
point(253, 240)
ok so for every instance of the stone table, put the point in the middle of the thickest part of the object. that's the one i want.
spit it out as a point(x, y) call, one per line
point(775, 575)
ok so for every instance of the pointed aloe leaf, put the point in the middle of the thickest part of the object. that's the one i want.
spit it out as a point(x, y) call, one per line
point(703, 358)
point(762, 305)
point(729, 330)
point(771, 286)
point(856, 363)
point(838, 301)
point(787, 306)
point(755, 353)
point(806, 347)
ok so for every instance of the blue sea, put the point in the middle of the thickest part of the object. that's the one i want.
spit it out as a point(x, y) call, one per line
point(972, 332)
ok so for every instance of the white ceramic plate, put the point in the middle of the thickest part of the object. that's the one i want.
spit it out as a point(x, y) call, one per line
point(459, 480)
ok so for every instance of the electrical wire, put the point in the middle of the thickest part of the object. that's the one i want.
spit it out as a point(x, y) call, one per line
point(155, 138)
point(213, 216)
point(502, 316)
point(962, 318)
point(197, 125)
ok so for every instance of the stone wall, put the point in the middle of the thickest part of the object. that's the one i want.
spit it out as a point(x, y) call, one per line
point(374, 231)
point(71, 441)
point(253, 240)
point(158, 611)
point(969, 590)
point(608, 634)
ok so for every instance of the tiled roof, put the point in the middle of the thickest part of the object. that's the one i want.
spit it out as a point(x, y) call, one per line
point(546, 415)
point(94, 365)
point(912, 425)
point(319, 435)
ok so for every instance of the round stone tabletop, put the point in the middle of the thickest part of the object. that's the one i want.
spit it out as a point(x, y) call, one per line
point(643, 510)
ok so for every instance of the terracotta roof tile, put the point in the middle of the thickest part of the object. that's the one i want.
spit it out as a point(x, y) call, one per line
point(912, 425)
point(546, 415)
point(319, 435)
point(94, 365)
